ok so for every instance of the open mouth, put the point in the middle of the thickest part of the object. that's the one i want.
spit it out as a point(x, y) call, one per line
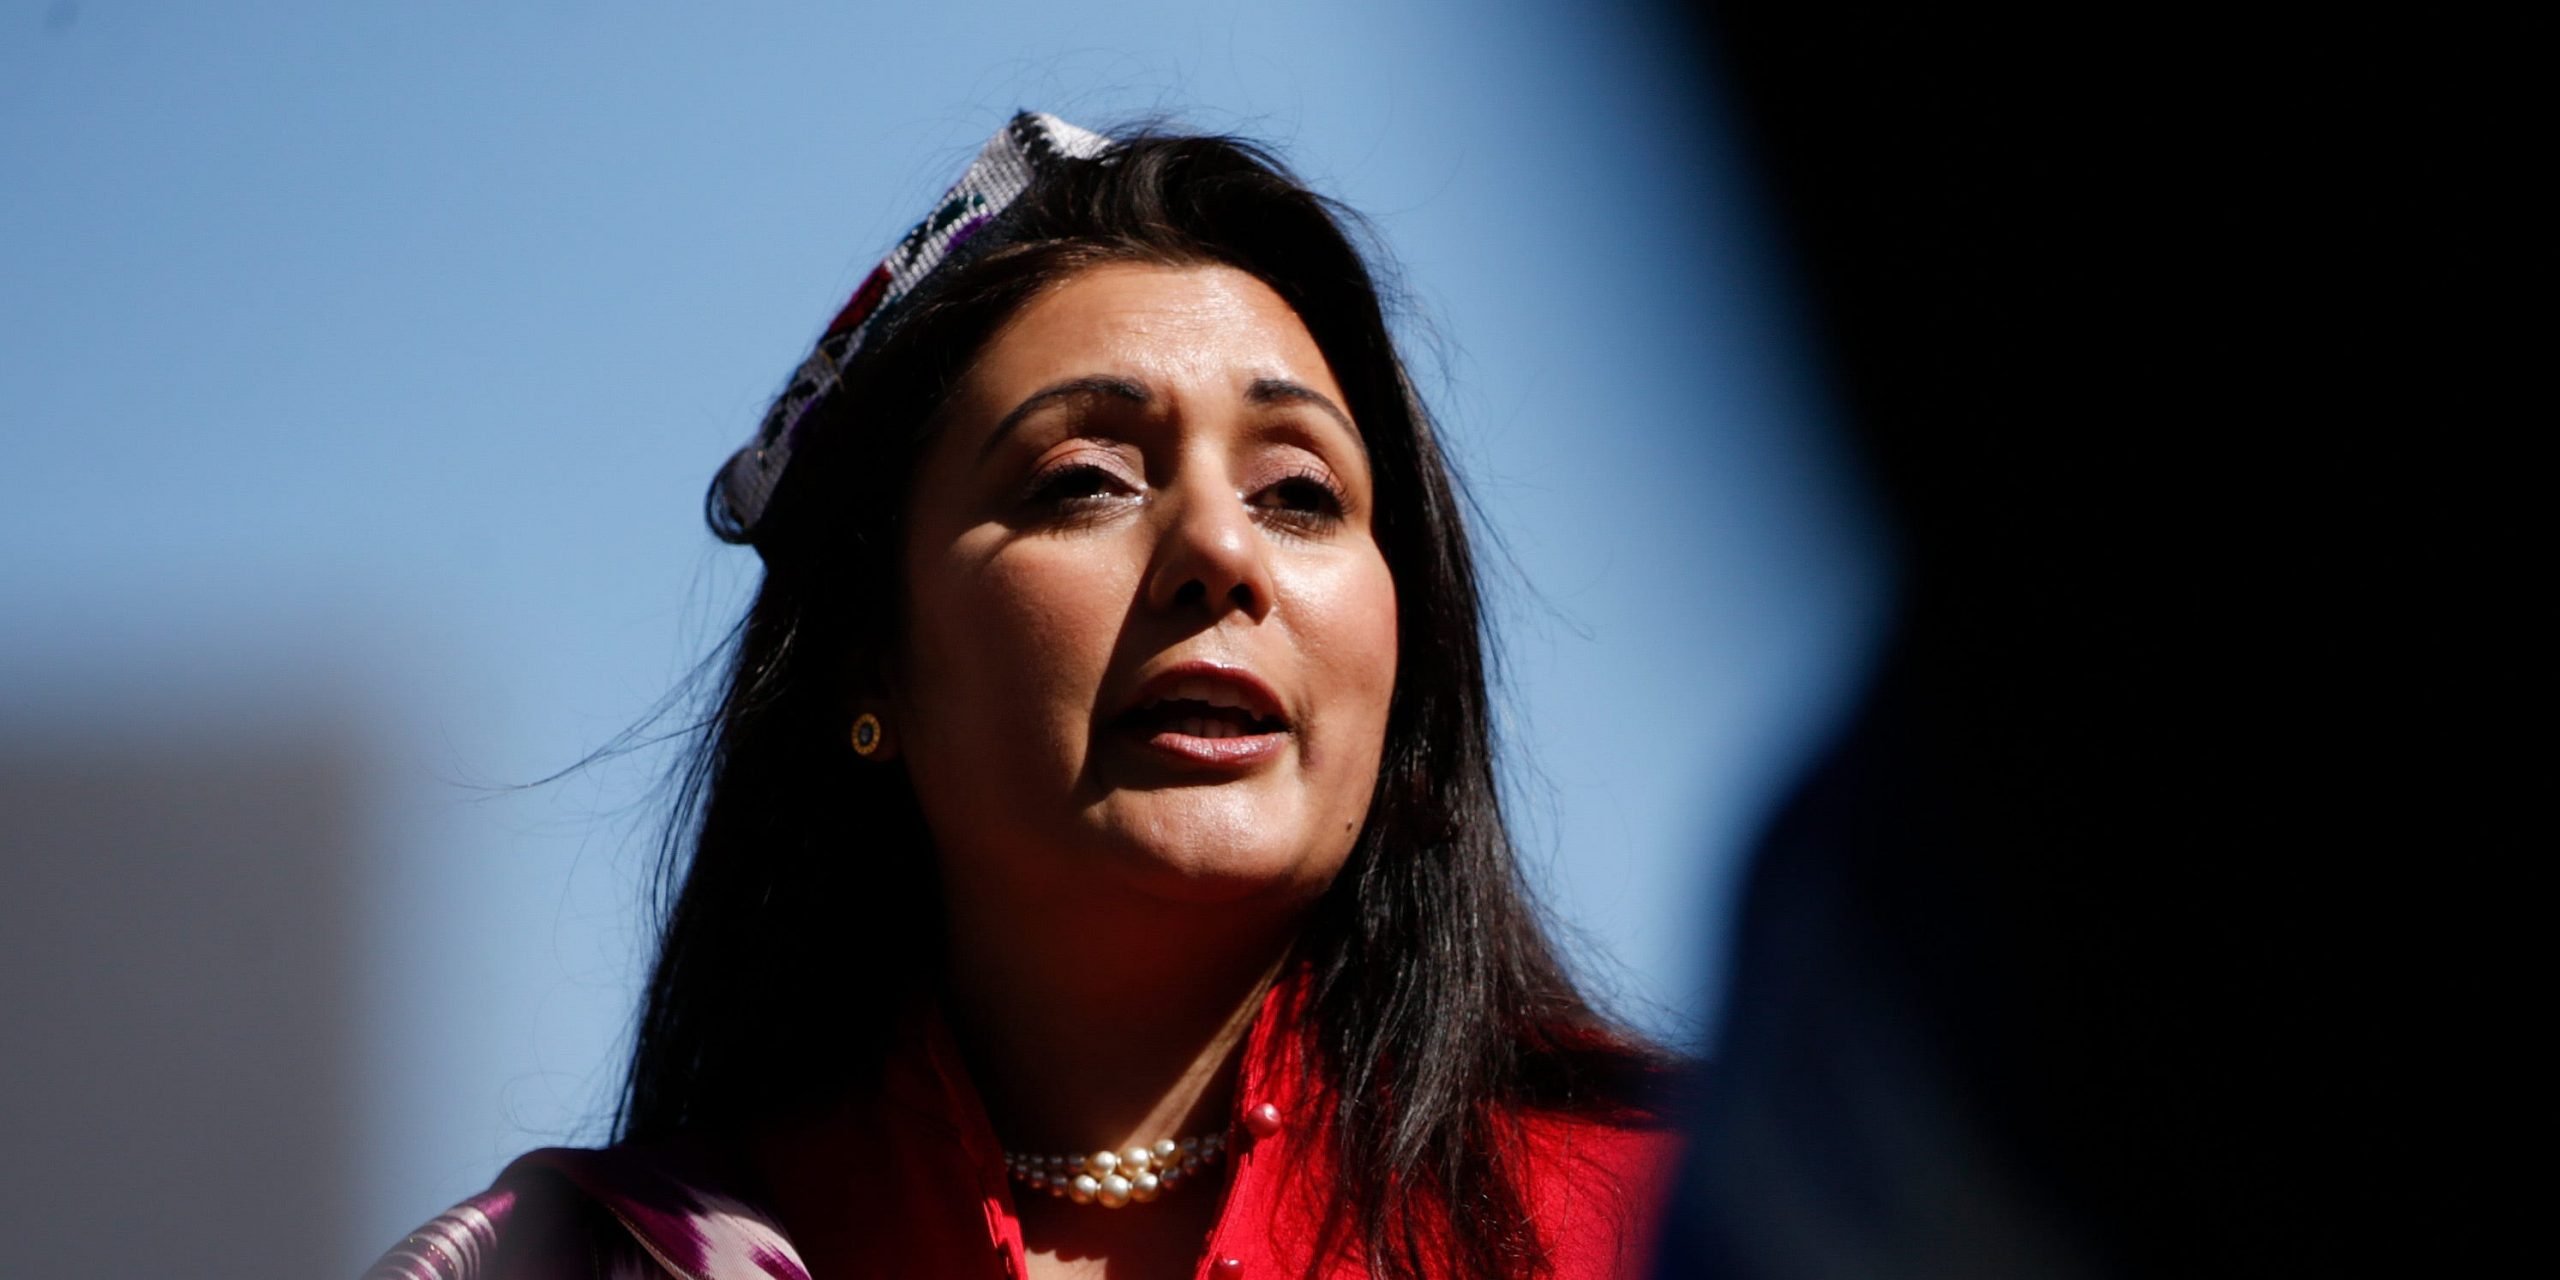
point(1200, 718)
point(1206, 704)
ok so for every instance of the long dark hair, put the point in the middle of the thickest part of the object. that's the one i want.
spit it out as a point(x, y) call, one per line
point(1440, 1010)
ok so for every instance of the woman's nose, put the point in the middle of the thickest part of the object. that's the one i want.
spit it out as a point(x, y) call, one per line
point(1212, 555)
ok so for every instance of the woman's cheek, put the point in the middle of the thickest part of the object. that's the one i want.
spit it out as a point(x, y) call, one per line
point(1350, 635)
point(1050, 620)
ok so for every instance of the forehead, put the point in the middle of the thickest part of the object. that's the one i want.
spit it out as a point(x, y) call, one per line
point(1204, 327)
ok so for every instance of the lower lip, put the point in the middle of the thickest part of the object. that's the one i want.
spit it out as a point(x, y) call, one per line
point(1235, 754)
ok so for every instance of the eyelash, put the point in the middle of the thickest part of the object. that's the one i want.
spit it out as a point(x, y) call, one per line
point(1051, 488)
point(1057, 489)
point(1327, 501)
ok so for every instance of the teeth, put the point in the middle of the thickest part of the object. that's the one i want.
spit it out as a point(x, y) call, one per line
point(1217, 693)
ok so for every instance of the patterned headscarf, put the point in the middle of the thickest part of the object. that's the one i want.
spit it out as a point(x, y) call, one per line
point(1028, 144)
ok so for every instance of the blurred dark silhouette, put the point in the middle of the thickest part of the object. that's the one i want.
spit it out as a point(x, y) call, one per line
point(2114, 934)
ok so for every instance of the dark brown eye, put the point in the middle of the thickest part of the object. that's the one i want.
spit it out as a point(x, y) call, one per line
point(1304, 493)
point(1306, 500)
point(1073, 482)
point(1076, 487)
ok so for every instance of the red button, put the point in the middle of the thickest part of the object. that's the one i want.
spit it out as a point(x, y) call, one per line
point(1262, 1120)
point(1230, 1266)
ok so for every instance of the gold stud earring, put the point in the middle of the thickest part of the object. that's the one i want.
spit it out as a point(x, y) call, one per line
point(866, 734)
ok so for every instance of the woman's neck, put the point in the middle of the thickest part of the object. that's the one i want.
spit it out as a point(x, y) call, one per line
point(1107, 1021)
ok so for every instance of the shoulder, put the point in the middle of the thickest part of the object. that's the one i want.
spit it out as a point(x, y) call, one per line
point(463, 1241)
point(619, 1213)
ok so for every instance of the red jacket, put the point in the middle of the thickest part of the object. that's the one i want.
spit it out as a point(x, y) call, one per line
point(914, 1186)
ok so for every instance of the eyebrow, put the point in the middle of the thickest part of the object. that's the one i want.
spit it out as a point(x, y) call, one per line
point(1268, 391)
point(1090, 386)
point(1263, 391)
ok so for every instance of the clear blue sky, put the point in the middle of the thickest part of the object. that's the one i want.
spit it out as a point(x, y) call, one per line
point(375, 356)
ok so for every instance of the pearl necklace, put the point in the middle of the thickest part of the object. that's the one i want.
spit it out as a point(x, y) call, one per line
point(1114, 1178)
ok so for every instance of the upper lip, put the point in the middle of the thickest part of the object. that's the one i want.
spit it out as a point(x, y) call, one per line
point(1215, 683)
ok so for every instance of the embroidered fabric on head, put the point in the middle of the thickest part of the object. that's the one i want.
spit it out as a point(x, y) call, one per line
point(1003, 170)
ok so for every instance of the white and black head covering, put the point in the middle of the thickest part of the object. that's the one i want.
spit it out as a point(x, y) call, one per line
point(1028, 144)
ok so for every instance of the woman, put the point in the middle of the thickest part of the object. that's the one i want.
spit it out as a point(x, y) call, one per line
point(1094, 864)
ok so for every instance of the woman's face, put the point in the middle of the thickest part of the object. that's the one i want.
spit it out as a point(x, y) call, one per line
point(1150, 640)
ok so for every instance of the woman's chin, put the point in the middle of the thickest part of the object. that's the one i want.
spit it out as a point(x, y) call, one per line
point(1220, 881)
point(1204, 853)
